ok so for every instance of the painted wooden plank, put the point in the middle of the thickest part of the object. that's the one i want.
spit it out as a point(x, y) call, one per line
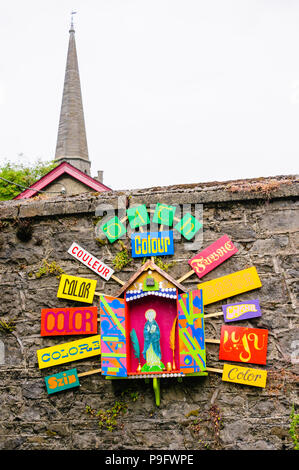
point(191, 332)
point(93, 263)
point(230, 285)
point(76, 288)
point(69, 321)
point(152, 244)
point(244, 375)
point(212, 256)
point(241, 311)
point(62, 381)
point(216, 314)
point(90, 372)
point(113, 336)
point(68, 352)
point(213, 369)
point(117, 280)
point(242, 344)
point(186, 275)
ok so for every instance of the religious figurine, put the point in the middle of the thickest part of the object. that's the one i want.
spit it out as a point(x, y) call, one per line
point(152, 350)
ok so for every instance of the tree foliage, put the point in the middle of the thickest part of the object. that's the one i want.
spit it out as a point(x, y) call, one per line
point(24, 174)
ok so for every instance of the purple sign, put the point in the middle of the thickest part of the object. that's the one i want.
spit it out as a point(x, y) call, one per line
point(241, 310)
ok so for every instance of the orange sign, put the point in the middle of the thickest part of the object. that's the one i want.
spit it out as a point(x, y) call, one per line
point(69, 321)
point(243, 344)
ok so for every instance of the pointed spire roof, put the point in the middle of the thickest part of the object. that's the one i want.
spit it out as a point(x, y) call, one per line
point(71, 141)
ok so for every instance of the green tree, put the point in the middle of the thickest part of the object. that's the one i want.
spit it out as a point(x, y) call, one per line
point(23, 174)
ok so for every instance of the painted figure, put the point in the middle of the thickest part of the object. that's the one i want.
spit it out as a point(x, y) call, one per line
point(152, 349)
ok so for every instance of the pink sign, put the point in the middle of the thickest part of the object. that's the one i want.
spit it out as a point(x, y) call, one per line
point(212, 256)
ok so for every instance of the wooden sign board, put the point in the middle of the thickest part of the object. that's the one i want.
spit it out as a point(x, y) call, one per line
point(69, 321)
point(76, 288)
point(212, 256)
point(114, 229)
point(90, 261)
point(243, 344)
point(67, 352)
point(138, 216)
point(62, 381)
point(230, 285)
point(152, 244)
point(241, 311)
point(188, 226)
point(244, 375)
point(164, 214)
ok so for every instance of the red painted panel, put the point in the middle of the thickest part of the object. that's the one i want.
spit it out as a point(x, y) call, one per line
point(247, 345)
point(69, 321)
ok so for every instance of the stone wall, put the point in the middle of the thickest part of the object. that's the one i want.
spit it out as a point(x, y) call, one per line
point(260, 216)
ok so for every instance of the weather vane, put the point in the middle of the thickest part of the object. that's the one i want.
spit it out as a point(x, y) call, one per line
point(72, 19)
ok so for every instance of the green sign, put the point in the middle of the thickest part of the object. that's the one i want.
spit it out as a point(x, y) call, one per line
point(138, 216)
point(114, 229)
point(164, 214)
point(188, 226)
point(62, 381)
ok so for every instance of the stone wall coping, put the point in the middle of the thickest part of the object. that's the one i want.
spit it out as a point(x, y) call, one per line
point(264, 188)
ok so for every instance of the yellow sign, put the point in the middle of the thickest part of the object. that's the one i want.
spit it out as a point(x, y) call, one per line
point(76, 288)
point(244, 375)
point(68, 352)
point(230, 285)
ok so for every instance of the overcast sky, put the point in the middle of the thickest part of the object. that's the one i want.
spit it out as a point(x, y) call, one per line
point(174, 91)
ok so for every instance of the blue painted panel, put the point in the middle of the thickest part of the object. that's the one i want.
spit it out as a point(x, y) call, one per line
point(152, 244)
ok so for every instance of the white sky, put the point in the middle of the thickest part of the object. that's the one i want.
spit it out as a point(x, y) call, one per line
point(174, 91)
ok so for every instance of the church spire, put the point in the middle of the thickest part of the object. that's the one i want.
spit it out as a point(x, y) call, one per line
point(71, 144)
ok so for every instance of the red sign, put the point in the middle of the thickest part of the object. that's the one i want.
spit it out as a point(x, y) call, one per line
point(247, 345)
point(69, 321)
point(212, 256)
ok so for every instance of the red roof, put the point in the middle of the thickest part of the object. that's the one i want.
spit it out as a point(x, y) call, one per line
point(63, 168)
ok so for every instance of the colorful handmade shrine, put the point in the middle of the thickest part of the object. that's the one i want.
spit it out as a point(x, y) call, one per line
point(154, 328)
